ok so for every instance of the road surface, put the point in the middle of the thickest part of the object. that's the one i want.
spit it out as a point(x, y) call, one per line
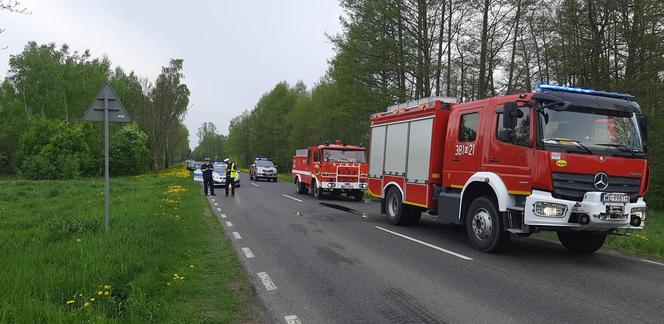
point(338, 261)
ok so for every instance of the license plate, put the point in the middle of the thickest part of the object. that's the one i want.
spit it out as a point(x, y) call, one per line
point(346, 186)
point(615, 198)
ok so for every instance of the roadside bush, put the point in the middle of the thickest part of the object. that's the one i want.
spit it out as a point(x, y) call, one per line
point(129, 153)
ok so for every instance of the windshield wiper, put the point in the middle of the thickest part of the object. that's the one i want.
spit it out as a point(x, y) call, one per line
point(620, 147)
point(578, 144)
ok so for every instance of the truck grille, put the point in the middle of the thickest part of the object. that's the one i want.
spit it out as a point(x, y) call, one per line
point(572, 186)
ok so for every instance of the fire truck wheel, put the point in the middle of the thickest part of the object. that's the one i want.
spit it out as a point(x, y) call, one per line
point(316, 190)
point(582, 242)
point(397, 212)
point(300, 187)
point(483, 226)
point(358, 195)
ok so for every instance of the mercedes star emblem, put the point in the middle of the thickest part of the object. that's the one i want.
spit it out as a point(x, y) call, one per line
point(601, 181)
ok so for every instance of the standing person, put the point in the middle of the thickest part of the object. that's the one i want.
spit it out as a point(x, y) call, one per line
point(231, 173)
point(207, 168)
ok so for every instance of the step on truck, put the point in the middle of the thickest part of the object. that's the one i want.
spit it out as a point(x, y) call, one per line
point(562, 159)
point(331, 169)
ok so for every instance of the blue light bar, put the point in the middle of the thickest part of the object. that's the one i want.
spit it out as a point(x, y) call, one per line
point(591, 92)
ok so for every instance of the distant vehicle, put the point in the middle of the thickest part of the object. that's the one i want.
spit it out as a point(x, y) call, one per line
point(193, 165)
point(263, 168)
point(559, 159)
point(331, 168)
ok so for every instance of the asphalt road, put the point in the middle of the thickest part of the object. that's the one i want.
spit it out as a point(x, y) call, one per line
point(337, 261)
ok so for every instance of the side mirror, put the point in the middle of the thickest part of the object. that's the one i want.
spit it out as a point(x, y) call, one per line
point(643, 129)
point(510, 114)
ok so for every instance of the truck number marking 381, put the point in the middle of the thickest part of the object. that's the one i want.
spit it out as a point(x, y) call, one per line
point(465, 149)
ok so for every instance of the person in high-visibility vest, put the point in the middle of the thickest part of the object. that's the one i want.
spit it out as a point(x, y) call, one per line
point(231, 173)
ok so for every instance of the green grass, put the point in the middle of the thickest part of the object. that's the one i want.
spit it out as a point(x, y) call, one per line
point(649, 242)
point(54, 250)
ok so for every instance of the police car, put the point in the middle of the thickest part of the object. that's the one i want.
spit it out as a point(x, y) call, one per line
point(263, 168)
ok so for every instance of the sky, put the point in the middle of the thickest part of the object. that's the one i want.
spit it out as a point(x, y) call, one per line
point(233, 51)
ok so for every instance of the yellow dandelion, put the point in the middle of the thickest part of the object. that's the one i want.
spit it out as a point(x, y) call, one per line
point(107, 287)
point(182, 278)
point(86, 304)
point(106, 293)
point(80, 295)
point(92, 299)
point(168, 284)
point(191, 266)
point(78, 240)
point(100, 293)
point(69, 302)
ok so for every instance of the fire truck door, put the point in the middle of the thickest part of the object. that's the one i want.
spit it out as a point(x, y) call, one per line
point(511, 158)
point(464, 146)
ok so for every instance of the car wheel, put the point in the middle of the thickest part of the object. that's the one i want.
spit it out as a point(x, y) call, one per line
point(582, 242)
point(484, 227)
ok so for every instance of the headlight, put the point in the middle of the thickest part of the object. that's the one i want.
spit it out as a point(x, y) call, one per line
point(639, 212)
point(547, 209)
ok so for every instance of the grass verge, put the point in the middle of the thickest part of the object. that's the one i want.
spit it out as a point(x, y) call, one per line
point(166, 258)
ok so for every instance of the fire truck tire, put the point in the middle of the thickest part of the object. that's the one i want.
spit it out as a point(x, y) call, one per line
point(582, 242)
point(316, 190)
point(484, 227)
point(358, 195)
point(300, 187)
point(397, 212)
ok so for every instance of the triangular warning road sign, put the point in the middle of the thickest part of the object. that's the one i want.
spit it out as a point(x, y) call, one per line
point(116, 112)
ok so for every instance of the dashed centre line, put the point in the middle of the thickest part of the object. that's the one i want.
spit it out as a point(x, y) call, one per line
point(253, 184)
point(458, 255)
point(267, 282)
point(229, 224)
point(247, 252)
point(292, 319)
point(237, 236)
point(287, 196)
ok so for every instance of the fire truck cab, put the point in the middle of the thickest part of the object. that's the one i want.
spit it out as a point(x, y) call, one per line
point(331, 169)
point(560, 159)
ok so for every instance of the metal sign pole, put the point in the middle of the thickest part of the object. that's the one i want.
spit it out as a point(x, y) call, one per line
point(106, 177)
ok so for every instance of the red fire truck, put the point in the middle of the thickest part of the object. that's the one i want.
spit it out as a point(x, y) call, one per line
point(331, 168)
point(561, 159)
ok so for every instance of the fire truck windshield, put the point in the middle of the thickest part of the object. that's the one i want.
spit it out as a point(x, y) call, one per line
point(589, 130)
point(338, 155)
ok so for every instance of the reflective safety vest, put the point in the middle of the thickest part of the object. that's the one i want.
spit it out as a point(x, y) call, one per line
point(233, 171)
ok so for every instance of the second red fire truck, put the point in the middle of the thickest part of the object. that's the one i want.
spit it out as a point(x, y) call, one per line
point(331, 169)
point(560, 159)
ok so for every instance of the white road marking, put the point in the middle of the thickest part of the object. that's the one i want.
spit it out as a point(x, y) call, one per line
point(247, 252)
point(267, 282)
point(212, 199)
point(218, 209)
point(253, 184)
point(229, 224)
point(426, 244)
point(237, 236)
point(216, 204)
point(223, 215)
point(653, 262)
point(292, 319)
point(287, 196)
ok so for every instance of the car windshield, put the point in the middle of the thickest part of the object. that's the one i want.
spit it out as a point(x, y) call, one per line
point(264, 164)
point(592, 130)
point(220, 168)
point(343, 155)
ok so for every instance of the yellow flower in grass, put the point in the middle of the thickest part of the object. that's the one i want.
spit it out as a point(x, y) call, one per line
point(86, 304)
point(78, 240)
point(106, 293)
point(100, 293)
point(107, 287)
point(92, 299)
point(69, 302)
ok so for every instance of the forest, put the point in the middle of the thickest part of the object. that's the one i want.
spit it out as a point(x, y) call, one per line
point(392, 51)
point(42, 100)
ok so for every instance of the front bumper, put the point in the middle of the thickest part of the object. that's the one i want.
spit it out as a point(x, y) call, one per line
point(344, 185)
point(591, 206)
